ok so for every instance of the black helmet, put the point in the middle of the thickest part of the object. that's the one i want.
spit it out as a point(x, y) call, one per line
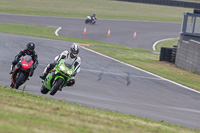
point(74, 50)
point(30, 46)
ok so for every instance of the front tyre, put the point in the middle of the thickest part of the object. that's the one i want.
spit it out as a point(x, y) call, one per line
point(56, 86)
point(44, 90)
point(12, 85)
point(20, 80)
point(93, 22)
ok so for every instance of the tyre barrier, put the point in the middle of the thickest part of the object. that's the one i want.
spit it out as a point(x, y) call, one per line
point(173, 57)
point(168, 54)
point(197, 11)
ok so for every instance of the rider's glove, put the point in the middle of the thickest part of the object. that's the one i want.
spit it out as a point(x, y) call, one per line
point(15, 62)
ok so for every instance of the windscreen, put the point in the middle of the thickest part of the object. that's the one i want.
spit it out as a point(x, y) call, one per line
point(28, 58)
point(69, 63)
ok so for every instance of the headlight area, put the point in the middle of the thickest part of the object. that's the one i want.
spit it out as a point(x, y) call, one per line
point(62, 68)
point(69, 73)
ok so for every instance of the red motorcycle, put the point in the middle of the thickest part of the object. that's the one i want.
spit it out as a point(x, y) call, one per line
point(22, 71)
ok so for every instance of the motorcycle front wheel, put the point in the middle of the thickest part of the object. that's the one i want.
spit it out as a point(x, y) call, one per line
point(56, 86)
point(93, 22)
point(21, 78)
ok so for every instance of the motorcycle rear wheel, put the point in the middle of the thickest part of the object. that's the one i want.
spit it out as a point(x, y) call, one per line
point(56, 86)
point(87, 21)
point(20, 80)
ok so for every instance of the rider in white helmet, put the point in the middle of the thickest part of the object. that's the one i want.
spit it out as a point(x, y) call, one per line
point(71, 57)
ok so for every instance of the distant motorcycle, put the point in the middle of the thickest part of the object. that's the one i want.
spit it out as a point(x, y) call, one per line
point(90, 20)
point(22, 71)
point(57, 78)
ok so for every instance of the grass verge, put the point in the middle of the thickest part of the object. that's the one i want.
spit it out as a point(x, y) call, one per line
point(106, 9)
point(168, 43)
point(21, 112)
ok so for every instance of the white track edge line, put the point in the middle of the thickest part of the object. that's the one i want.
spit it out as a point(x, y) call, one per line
point(141, 70)
point(154, 45)
point(56, 32)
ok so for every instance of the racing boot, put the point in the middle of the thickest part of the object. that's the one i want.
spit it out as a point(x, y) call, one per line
point(46, 70)
point(43, 76)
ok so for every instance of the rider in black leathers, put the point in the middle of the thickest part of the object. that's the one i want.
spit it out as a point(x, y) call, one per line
point(28, 51)
point(93, 16)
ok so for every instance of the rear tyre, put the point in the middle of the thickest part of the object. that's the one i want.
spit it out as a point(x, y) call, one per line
point(20, 80)
point(44, 90)
point(87, 21)
point(56, 86)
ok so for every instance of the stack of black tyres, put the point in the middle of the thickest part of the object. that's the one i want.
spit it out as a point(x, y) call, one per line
point(174, 50)
point(197, 11)
point(166, 54)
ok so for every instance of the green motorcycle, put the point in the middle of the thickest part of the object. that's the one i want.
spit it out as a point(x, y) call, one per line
point(57, 78)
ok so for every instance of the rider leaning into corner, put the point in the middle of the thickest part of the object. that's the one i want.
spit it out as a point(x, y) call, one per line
point(93, 16)
point(28, 51)
point(71, 57)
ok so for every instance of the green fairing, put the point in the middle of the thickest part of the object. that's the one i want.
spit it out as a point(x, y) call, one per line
point(58, 73)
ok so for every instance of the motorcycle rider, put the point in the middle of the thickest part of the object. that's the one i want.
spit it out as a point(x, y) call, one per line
point(69, 56)
point(93, 16)
point(28, 51)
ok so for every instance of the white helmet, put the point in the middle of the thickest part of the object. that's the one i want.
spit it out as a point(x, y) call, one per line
point(74, 50)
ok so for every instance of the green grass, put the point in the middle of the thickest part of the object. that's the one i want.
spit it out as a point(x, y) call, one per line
point(23, 112)
point(168, 43)
point(193, 0)
point(29, 30)
point(107, 9)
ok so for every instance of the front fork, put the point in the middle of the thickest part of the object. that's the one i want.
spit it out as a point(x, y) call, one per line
point(11, 69)
point(63, 84)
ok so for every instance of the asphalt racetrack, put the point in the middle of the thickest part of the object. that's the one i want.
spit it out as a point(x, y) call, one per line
point(104, 82)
